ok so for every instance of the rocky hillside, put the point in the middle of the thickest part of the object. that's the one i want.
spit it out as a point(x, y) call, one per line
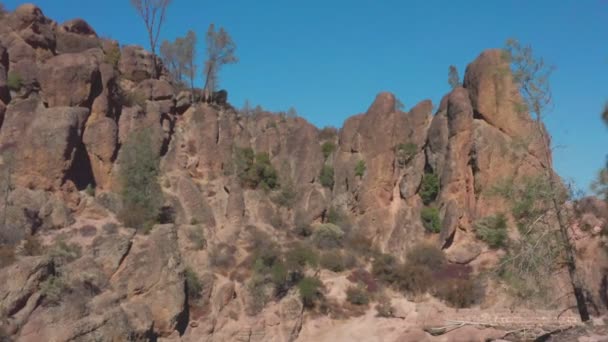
point(242, 189)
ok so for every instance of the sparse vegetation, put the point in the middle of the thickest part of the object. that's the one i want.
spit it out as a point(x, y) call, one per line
point(112, 56)
point(362, 276)
point(426, 255)
point(287, 195)
point(14, 81)
point(52, 290)
point(405, 153)
point(459, 293)
point(197, 237)
point(301, 255)
point(193, 284)
point(492, 230)
point(327, 176)
point(328, 236)
point(141, 192)
point(220, 51)
point(360, 168)
point(328, 148)
point(32, 246)
point(310, 290)
point(7, 255)
point(63, 252)
point(328, 133)
point(357, 295)
point(90, 190)
point(429, 189)
point(430, 219)
point(222, 256)
point(384, 308)
point(134, 98)
point(255, 170)
point(333, 261)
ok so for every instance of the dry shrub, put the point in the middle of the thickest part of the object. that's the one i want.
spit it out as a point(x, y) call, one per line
point(362, 276)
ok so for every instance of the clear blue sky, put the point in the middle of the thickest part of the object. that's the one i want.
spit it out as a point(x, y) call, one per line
point(329, 58)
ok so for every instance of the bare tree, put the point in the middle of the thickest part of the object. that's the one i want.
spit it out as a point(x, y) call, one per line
point(453, 77)
point(153, 14)
point(220, 51)
point(532, 76)
point(179, 57)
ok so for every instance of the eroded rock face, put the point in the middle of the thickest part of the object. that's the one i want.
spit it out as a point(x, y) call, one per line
point(44, 141)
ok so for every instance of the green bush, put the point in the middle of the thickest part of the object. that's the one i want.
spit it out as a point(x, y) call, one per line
point(492, 230)
point(141, 193)
point(255, 170)
point(360, 168)
point(429, 189)
point(328, 236)
point(430, 219)
point(328, 148)
point(52, 290)
point(299, 256)
point(405, 153)
point(357, 295)
point(310, 290)
point(193, 284)
point(14, 81)
point(287, 196)
point(327, 176)
point(333, 261)
point(427, 255)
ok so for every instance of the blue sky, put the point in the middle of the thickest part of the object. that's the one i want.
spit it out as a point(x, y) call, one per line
point(329, 58)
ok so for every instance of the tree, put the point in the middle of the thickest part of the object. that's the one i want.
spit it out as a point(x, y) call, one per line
point(220, 51)
point(153, 14)
point(532, 74)
point(140, 192)
point(453, 77)
point(179, 57)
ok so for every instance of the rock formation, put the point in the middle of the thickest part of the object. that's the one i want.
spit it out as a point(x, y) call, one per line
point(76, 98)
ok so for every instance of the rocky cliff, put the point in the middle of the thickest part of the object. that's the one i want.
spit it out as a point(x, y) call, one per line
point(69, 101)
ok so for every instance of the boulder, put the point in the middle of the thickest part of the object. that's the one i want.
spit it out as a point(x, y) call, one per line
point(71, 79)
point(136, 64)
point(31, 24)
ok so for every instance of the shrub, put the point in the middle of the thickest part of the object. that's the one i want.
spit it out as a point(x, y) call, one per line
point(310, 290)
point(332, 261)
point(362, 276)
point(287, 196)
point(52, 290)
point(112, 56)
point(357, 295)
point(141, 193)
point(14, 81)
point(255, 170)
point(197, 237)
point(327, 176)
point(384, 267)
point(384, 308)
point(328, 148)
point(429, 189)
point(257, 289)
point(427, 255)
point(405, 153)
point(299, 256)
point(430, 219)
point(90, 190)
point(328, 236)
point(193, 284)
point(459, 293)
point(360, 168)
point(413, 279)
point(492, 230)
point(63, 252)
